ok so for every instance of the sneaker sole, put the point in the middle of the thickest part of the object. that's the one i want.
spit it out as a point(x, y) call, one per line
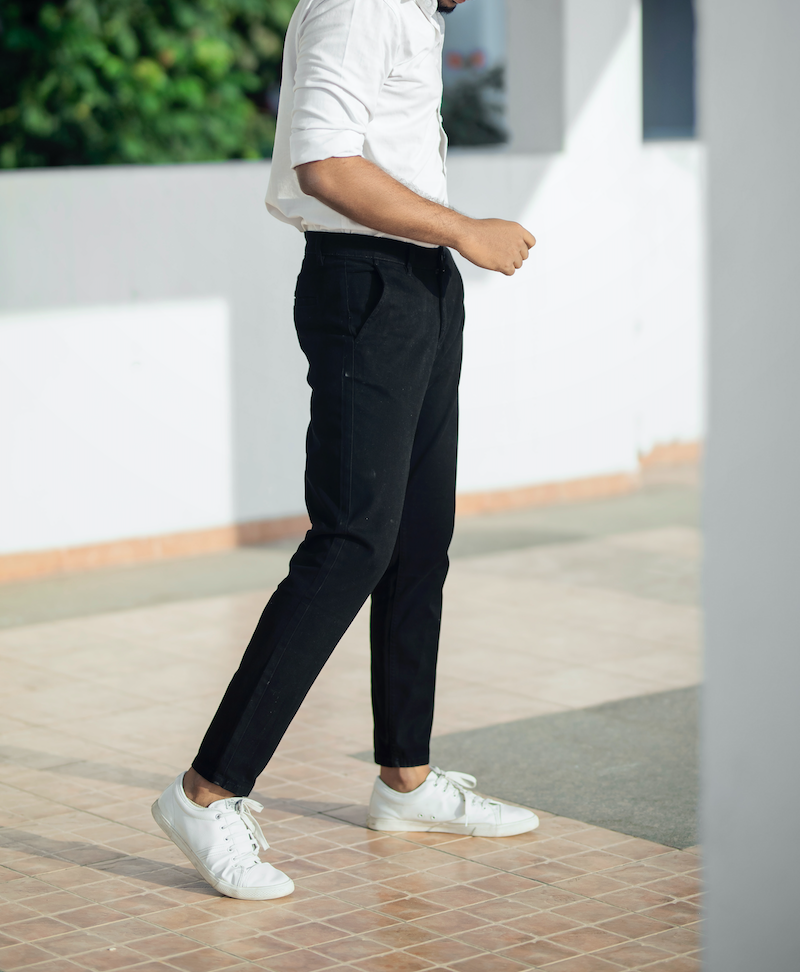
point(467, 830)
point(229, 890)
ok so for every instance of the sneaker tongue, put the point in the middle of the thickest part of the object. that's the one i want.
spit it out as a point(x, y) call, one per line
point(228, 803)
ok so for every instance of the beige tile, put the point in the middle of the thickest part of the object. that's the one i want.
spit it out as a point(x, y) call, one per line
point(394, 962)
point(671, 669)
point(489, 963)
point(444, 951)
point(541, 952)
point(451, 923)
point(15, 957)
point(588, 938)
point(677, 541)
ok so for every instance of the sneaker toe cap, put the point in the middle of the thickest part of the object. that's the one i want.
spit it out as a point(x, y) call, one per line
point(264, 876)
point(512, 814)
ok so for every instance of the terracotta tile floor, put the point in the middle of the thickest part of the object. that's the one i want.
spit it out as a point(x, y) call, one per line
point(99, 713)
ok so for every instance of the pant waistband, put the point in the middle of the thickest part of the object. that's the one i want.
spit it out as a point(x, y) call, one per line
point(409, 254)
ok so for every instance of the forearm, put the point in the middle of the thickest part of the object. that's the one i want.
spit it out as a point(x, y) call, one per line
point(366, 194)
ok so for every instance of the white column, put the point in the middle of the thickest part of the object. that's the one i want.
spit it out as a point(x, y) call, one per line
point(750, 79)
point(535, 75)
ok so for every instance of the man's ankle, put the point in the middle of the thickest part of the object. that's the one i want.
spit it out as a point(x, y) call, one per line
point(199, 791)
point(404, 779)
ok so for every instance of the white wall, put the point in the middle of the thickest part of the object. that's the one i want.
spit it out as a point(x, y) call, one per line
point(212, 429)
point(115, 415)
point(751, 724)
point(593, 353)
point(587, 357)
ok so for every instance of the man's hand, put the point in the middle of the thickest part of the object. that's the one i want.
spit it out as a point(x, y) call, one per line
point(366, 194)
point(494, 244)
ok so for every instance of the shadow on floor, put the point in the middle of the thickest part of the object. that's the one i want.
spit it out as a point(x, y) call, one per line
point(98, 858)
point(629, 766)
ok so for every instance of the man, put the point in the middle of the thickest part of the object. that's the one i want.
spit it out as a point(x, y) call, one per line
point(359, 166)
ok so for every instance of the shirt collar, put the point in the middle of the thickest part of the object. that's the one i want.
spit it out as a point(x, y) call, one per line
point(429, 8)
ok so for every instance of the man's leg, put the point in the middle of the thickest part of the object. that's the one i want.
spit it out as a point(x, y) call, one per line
point(368, 320)
point(367, 316)
point(406, 617)
point(407, 603)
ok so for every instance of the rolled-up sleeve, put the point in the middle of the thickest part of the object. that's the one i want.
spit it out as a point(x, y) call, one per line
point(345, 51)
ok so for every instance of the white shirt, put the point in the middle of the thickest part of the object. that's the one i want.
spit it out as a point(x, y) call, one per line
point(360, 77)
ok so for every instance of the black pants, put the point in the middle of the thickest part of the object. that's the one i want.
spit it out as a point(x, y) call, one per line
point(381, 324)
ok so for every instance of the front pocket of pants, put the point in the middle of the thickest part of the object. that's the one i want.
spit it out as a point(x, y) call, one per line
point(366, 291)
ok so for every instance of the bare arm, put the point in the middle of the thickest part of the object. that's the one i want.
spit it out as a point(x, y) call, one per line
point(366, 194)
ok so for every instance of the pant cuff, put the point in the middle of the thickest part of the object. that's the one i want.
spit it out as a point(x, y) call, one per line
point(397, 760)
point(240, 787)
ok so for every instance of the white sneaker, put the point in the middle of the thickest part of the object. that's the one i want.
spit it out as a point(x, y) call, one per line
point(444, 805)
point(222, 842)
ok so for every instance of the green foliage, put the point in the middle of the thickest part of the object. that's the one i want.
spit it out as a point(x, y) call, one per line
point(94, 82)
point(472, 110)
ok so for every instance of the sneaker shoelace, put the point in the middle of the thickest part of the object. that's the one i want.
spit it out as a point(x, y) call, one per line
point(462, 783)
point(245, 831)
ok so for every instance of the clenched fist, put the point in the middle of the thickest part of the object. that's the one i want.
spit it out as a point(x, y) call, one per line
point(494, 244)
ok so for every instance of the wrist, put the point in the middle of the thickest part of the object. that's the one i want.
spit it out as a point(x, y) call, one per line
point(457, 230)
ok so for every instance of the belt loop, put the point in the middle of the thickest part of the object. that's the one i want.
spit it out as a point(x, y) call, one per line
point(442, 261)
point(315, 246)
point(408, 258)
